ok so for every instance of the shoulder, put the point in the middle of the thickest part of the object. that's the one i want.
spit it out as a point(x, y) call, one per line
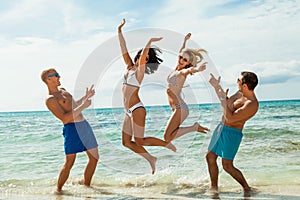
point(254, 103)
point(184, 72)
point(251, 105)
point(51, 99)
point(236, 95)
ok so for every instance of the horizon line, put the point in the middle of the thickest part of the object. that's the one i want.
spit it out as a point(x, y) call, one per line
point(158, 105)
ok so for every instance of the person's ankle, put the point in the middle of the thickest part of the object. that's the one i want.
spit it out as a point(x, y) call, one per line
point(58, 190)
point(247, 189)
point(213, 188)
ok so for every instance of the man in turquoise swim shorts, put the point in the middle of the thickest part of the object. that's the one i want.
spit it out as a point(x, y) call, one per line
point(78, 134)
point(227, 136)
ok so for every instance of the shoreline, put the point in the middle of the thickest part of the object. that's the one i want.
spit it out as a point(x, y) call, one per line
point(288, 192)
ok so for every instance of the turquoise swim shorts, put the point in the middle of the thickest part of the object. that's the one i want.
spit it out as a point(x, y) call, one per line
point(225, 141)
point(78, 137)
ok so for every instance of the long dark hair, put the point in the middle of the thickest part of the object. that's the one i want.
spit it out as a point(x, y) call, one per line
point(153, 60)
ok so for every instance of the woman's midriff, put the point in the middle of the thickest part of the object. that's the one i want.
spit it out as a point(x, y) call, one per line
point(173, 98)
point(130, 96)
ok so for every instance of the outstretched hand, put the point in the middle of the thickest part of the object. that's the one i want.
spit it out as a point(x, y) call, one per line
point(121, 25)
point(86, 101)
point(156, 39)
point(202, 67)
point(187, 37)
point(213, 81)
point(89, 92)
point(216, 84)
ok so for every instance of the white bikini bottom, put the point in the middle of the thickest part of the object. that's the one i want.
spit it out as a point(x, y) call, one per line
point(130, 110)
point(181, 105)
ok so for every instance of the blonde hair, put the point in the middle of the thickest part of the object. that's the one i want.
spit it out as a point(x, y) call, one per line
point(45, 73)
point(195, 56)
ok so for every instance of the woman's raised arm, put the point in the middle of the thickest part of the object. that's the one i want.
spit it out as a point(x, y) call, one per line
point(126, 57)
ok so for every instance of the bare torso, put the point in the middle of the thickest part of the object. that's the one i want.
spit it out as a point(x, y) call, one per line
point(130, 93)
point(175, 83)
point(67, 103)
point(130, 96)
point(236, 102)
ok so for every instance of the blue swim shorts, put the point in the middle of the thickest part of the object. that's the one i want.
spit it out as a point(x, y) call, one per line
point(78, 137)
point(225, 141)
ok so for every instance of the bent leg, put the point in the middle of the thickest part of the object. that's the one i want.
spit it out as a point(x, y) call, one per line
point(65, 171)
point(126, 141)
point(173, 129)
point(138, 127)
point(211, 159)
point(235, 173)
point(90, 168)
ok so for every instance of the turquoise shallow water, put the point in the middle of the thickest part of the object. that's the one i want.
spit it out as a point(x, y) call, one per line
point(32, 151)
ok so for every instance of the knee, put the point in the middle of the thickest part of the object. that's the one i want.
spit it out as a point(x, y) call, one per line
point(96, 158)
point(207, 157)
point(210, 159)
point(126, 144)
point(170, 134)
point(167, 138)
point(93, 160)
point(68, 166)
point(227, 167)
point(139, 141)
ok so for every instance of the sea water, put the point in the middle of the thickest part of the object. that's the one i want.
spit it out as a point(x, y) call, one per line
point(32, 155)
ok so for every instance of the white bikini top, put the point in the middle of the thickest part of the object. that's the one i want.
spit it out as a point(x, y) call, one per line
point(131, 79)
point(172, 78)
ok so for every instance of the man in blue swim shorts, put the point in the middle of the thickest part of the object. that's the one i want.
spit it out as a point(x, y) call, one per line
point(228, 135)
point(78, 134)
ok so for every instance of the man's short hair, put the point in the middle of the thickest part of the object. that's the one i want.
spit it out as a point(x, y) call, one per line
point(45, 74)
point(250, 79)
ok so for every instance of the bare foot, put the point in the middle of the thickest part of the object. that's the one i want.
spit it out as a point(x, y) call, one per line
point(58, 191)
point(171, 146)
point(200, 128)
point(248, 192)
point(81, 182)
point(213, 189)
point(152, 162)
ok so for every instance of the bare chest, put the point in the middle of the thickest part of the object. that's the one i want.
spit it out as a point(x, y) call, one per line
point(236, 103)
point(65, 100)
point(239, 103)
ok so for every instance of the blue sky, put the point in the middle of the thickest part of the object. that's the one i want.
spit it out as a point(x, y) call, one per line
point(261, 36)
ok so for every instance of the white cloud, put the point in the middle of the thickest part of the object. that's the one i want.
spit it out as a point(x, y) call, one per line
point(268, 72)
point(23, 59)
point(249, 33)
point(258, 36)
point(259, 32)
point(21, 11)
point(56, 19)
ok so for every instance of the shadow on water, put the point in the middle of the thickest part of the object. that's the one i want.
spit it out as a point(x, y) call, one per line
point(224, 195)
point(230, 195)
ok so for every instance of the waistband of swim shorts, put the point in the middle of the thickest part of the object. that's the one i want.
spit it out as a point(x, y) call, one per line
point(73, 123)
point(228, 128)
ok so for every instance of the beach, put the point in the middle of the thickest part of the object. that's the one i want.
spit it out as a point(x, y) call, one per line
point(32, 156)
point(73, 191)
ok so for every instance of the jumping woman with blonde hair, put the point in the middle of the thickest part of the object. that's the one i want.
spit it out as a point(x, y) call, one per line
point(146, 61)
point(187, 65)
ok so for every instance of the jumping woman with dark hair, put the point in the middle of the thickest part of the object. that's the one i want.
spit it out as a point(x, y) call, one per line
point(146, 61)
point(187, 65)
